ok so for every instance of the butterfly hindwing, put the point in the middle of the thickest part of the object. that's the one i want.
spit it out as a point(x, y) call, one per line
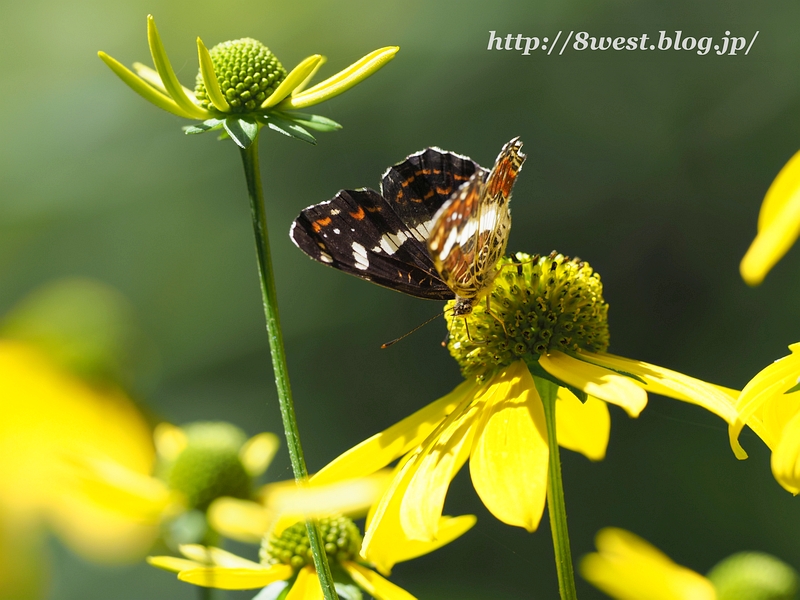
point(358, 232)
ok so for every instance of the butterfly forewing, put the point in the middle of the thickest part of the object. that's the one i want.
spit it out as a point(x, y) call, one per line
point(359, 233)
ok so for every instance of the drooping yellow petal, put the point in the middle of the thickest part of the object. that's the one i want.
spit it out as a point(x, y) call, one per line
point(342, 81)
point(295, 78)
point(433, 468)
point(786, 457)
point(138, 85)
point(240, 520)
point(671, 384)
point(628, 568)
point(381, 449)
point(173, 563)
point(210, 555)
point(772, 381)
point(596, 381)
point(778, 224)
point(510, 454)
point(582, 426)
point(170, 440)
point(168, 77)
point(210, 78)
point(306, 586)
point(139, 497)
point(375, 585)
point(236, 579)
point(258, 452)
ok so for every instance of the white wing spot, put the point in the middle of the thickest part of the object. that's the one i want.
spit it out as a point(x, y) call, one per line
point(360, 256)
point(336, 231)
point(335, 211)
point(391, 242)
point(325, 257)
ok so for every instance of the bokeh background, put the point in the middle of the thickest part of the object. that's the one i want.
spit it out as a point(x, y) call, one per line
point(650, 165)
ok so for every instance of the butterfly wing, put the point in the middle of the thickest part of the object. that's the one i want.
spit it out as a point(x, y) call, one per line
point(470, 231)
point(359, 232)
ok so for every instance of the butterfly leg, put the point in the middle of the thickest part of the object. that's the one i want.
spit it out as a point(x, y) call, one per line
point(494, 316)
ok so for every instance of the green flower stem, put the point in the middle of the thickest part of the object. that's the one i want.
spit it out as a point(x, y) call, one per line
point(556, 507)
point(253, 176)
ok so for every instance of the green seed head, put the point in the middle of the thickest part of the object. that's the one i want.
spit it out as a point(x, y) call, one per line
point(536, 305)
point(247, 73)
point(209, 467)
point(340, 536)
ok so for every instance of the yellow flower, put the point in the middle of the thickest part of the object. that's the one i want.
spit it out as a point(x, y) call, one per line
point(242, 86)
point(628, 568)
point(196, 464)
point(45, 414)
point(770, 405)
point(547, 324)
point(285, 561)
point(778, 224)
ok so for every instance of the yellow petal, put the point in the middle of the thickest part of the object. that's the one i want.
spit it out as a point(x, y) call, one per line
point(308, 79)
point(786, 457)
point(778, 224)
point(381, 449)
point(295, 78)
point(342, 81)
point(352, 497)
point(152, 77)
point(173, 563)
point(168, 77)
point(258, 451)
point(210, 78)
point(510, 455)
point(170, 440)
point(628, 568)
point(139, 86)
point(306, 586)
point(671, 384)
point(771, 382)
point(209, 555)
point(240, 520)
point(596, 381)
point(433, 468)
point(109, 484)
point(582, 426)
point(236, 579)
point(375, 585)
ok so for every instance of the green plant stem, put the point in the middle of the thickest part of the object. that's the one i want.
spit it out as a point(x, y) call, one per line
point(556, 507)
point(253, 176)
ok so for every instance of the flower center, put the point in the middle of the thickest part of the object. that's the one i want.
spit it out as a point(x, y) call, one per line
point(536, 305)
point(209, 467)
point(340, 535)
point(247, 73)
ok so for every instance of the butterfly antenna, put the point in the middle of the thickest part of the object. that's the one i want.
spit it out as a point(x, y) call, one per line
point(405, 335)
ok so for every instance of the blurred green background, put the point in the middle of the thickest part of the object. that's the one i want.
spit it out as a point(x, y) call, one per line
point(649, 165)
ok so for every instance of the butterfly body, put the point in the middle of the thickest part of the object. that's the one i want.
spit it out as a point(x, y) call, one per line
point(436, 230)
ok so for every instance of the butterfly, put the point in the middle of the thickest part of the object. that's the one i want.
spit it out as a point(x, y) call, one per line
point(436, 230)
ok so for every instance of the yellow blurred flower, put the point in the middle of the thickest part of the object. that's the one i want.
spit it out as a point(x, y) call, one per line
point(286, 561)
point(495, 419)
point(778, 224)
point(628, 568)
point(196, 464)
point(770, 405)
point(46, 414)
point(241, 86)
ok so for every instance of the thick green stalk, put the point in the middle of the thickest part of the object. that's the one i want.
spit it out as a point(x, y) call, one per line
point(253, 176)
point(556, 507)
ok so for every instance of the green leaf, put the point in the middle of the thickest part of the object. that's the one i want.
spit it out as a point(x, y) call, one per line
point(348, 591)
point(795, 388)
point(209, 125)
point(288, 128)
point(315, 122)
point(273, 591)
point(242, 131)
